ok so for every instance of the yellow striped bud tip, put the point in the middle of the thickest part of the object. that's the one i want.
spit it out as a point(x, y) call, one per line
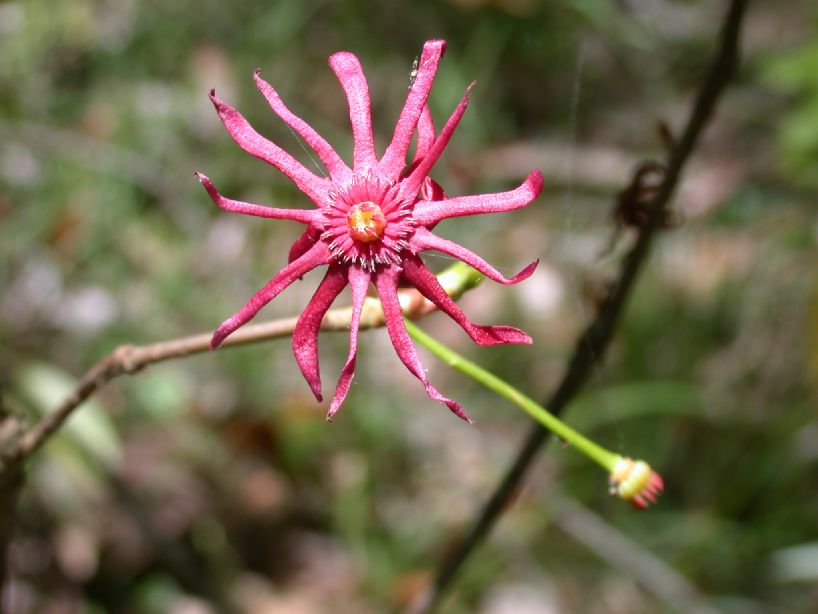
point(636, 482)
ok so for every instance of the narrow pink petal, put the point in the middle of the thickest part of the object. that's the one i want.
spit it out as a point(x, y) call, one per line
point(336, 167)
point(424, 280)
point(424, 239)
point(316, 256)
point(409, 187)
point(305, 334)
point(359, 282)
point(305, 216)
point(351, 75)
point(253, 143)
point(386, 282)
point(394, 158)
point(428, 213)
point(303, 243)
point(431, 190)
point(426, 134)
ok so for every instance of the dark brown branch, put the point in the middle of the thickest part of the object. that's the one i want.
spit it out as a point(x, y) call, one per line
point(11, 482)
point(593, 342)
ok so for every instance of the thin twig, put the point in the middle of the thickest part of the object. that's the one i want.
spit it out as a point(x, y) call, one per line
point(11, 481)
point(595, 339)
point(133, 358)
point(622, 553)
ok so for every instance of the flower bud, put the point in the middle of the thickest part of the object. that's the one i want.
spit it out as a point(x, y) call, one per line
point(636, 482)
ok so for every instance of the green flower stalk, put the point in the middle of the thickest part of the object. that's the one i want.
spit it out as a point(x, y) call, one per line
point(633, 481)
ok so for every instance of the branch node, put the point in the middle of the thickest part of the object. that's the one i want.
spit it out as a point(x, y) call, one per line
point(124, 357)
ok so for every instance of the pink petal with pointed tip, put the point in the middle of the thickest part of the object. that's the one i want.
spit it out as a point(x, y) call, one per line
point(305, 216)
point(424, 239)
point(305, 334)
point(336, 167)
point(426, 134)
point(431, 190)
point(303, 243)
point(386, 282)
point(409, 187)
point(359, 282)
point(319, 254)
point(424, 280)
point(394, 158)
point(428, 213)
point(348, 69)
point(253, 143)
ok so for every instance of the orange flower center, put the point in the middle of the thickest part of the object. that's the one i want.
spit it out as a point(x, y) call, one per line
point(366, 222)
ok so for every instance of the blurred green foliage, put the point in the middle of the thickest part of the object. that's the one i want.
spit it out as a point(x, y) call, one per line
point(794, 73)
point(216, 481)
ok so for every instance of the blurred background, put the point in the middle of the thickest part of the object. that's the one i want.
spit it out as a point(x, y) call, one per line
point(214, 482)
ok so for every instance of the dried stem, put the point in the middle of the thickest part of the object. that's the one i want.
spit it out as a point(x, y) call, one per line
point(593, 342)
point(133, 358)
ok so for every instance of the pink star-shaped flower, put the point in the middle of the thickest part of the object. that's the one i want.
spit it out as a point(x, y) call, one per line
point(371, 221)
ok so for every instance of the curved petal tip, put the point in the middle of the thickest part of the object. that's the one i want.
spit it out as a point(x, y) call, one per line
point(525, 273)
point(437, 45)
point(499, 335)
point(215, 341)
point(455, 407)
point(535, 182)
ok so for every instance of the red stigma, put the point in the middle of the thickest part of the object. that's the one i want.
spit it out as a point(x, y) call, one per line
point(366, 222)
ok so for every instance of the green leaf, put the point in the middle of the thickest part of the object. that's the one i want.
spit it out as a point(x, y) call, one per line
point(89, 429)
point(634, 400)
